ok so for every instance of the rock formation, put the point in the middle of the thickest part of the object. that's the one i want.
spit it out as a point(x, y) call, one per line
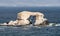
point(23, 22)
point(22, 18)
point(13, 22)
point(24, 15)
point(39, 18)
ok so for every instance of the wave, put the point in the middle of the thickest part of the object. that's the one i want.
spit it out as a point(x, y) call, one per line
point(54, 24)
point(31, 25)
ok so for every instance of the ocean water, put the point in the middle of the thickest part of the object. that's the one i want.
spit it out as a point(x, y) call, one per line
point(10, 13)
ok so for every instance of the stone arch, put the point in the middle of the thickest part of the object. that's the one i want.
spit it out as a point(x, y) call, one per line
point(22, 18)
point(26, 14)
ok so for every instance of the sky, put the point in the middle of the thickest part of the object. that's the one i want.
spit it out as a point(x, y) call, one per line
point(23, 3)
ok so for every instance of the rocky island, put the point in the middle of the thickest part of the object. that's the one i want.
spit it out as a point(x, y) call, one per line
point(22, 19)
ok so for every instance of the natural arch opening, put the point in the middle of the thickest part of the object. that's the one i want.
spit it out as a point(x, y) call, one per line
point(32, 19)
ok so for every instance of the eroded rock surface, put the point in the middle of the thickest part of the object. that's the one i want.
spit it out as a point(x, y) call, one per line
point(22, 18)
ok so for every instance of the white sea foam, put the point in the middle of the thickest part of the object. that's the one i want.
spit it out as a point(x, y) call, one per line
point(50, 25)
point(54, 24)
point(57, 25)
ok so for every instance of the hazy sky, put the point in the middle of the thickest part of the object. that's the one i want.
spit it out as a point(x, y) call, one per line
point(23, 3)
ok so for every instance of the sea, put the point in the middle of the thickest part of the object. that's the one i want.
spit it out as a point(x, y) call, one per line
point(10, 13)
